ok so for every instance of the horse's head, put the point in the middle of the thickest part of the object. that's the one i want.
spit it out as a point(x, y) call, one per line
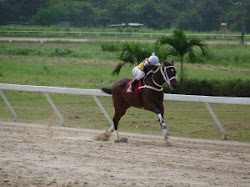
point(169, 74)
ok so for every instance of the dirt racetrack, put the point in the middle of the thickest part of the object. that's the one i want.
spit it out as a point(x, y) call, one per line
point(40, 155)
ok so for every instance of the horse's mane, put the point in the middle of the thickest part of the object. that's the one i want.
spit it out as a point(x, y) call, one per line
point(167, 63)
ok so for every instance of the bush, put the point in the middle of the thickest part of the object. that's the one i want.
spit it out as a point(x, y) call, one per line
point(110, 47)
point(61, 52)
point(20, 51)
point(233, 88)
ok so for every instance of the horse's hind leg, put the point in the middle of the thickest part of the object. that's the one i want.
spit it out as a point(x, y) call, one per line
point(119, 112)
point(120, 106)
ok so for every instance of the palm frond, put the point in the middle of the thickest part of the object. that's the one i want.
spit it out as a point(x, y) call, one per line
point(118, 68)
point(172, 52)
point(127, 54)
point(192, 54)
point(177, 40)
point(133, 54)
point(160, 51)
point(196, 42)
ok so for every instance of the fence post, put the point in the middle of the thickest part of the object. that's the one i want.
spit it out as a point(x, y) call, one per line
point(54, 108)
point(14, 115)
point(103, 110)
point(216, 120)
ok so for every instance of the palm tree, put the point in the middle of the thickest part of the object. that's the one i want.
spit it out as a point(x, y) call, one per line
point(132, 53)
point(180, 45)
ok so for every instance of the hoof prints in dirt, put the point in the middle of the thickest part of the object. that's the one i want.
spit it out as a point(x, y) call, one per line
point(33, 155)
point(121, 140)
point(103, 137)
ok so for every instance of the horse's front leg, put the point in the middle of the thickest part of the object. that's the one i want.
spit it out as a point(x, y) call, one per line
point(160, 113)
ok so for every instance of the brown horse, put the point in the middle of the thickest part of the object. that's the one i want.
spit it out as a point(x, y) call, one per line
point(150, 98)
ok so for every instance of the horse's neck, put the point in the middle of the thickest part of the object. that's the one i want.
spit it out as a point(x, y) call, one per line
point(154, 76)
point(159, 78)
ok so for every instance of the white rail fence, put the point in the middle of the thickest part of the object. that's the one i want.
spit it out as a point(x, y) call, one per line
point(132, 34)
point(93, 92)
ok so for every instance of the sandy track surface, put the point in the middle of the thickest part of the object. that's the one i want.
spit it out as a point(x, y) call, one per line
point(40, 155)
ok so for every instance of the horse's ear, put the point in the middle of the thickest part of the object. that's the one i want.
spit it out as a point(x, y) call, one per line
point(172, 62)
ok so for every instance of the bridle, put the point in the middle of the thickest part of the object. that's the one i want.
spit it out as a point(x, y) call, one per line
point(164, 73)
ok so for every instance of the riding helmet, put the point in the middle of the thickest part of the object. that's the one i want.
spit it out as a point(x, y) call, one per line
point(154, 60)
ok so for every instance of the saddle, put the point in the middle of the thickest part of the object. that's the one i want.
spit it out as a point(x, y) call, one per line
point(136, 89)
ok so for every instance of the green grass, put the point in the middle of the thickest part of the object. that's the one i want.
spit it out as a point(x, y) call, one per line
point(184, 119)
point(217, 74)
point(88, 50)
point(88, 66)
point(71, 72)
point(227, 55)
point(59, 72)
point(57, 31)
point(219, 55)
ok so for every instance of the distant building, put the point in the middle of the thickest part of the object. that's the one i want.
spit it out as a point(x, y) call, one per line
point(134, 25)
point(118, 25)
point(223, 27)
point(140, 25)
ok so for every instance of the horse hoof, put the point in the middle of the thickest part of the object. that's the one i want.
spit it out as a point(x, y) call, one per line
point(121, 140)
point(168, 143)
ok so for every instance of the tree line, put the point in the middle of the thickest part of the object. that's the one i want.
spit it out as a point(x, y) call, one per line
point(195, 15)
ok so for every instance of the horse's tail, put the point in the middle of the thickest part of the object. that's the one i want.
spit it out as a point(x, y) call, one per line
point(107, 90)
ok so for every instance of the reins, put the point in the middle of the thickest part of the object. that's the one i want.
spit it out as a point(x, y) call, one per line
point(165, 76)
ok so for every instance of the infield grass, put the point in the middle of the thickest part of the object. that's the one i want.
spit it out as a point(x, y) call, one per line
point(185, 119)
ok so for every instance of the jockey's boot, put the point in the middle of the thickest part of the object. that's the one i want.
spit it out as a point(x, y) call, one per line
point(132, 86)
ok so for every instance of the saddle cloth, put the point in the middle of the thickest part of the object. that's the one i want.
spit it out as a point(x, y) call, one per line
point(136, 90)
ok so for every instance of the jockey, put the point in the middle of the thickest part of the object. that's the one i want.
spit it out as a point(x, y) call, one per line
point(141, 70)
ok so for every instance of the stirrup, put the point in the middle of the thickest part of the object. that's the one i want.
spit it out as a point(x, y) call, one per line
point(129, 90)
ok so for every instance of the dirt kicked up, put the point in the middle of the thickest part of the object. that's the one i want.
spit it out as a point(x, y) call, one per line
point(40, 155)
